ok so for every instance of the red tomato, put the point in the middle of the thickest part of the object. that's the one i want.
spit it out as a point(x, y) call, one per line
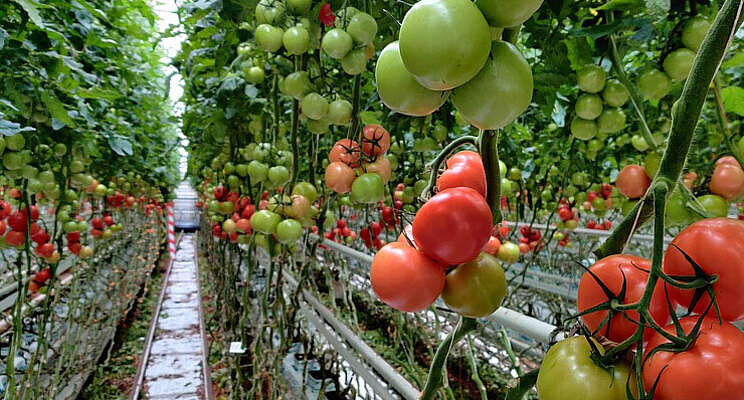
point(729, 160)
point(375, 140)
point(727, 181)
point(3, 227)
point(612, 271)
point(404, 278)
point(453, 226)
point(710, 370)
point(15, 238)
point(492, 246)
point(75, 247)
point(716, 245)
point(45, 250)
point(96, 223)
point(346, 151)
point(524, 248)
point(18, 222)
point(632, 181)
point(43, 276)
point(464, 169)
point(339, 177)
point(243, 225)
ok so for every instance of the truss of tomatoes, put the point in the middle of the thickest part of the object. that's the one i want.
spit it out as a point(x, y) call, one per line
point(442, 252)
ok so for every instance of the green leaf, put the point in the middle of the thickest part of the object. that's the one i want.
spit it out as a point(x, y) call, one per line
point(735, 61)
point(251, 91)
point(120, 145)
point(56, 108)
point(9, 128)
point(369, 117)
point(579, 52)
point(619, 4)
point(658, 8)
point(733, 100)
point(31, 8)
point(526, 382)
point(97, 92)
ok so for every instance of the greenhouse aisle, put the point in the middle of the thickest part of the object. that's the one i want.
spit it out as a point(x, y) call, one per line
point(175, 365)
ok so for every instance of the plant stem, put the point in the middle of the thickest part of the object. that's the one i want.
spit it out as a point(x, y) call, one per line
point(438, 364)
point(685, 115)
point(489, 149)
point(443, 155)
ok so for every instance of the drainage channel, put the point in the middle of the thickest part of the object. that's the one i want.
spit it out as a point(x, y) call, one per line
point(174, 360)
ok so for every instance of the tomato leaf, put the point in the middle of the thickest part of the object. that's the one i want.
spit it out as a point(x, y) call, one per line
point(579, 52)
point(120, 145)
point(619, 4)
point(98, 93)
point(733, 99)
point(56, 108)
point(9, 128)
point(31, 8)
point(658, 8)
point(735, 61)
point(526, 382)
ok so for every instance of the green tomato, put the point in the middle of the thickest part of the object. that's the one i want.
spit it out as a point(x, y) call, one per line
point(651, 163)
point(444, 43)
point(694, 32)
point(228, 168)
point(306, 190)
point(265, 221)
point(297, 84)
point(362, 27)
point(354, 62)
point(318, 126)
point(233, 182)
point(508, 252)
point(589, 106)
point(226, 207)
point(296, 40)
point(439, 132)
point(507, 187)
point(571, 190)
point(499, 93)
point(255, 75)
point(639, 143)
point(740, 146)
point(258, 171)
point(586, 380)
point(367, 189)
point(679, 63)
point(314, 106)
point(676, 211)
point(13, 161)
point(268, 38)
point(515, 174)
point(339, 112)
point(591, 78)
point(419, 186)
point(654, 84)
point(507, 13)
point(288, 231)
point(399, 90)
point(15, 142)
point(279, 175)
point(241, 170)
point(299, 7)
point(475, 289)
point(2, 145)
point(615, 94)
point(336, 43)
point(715, 205)
point(583, 129)
point(611, 120)
point(502, 168)
point(343, 16)
point(269, 11)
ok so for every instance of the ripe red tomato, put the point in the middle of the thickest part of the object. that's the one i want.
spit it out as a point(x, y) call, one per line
point(492, 246)
point(339, 177)
point(404, 278)
point(710, 370)
point(18, 222)
point(453, 226)
point(612, 271)
point(375, 140)
point(43, 275)
point(346, 151)
point(727, 181)
point(632, 181)
point(716, 245)
point(464, 169)
point(730, 160)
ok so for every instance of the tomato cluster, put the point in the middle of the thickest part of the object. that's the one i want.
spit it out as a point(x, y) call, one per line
point(598, 115)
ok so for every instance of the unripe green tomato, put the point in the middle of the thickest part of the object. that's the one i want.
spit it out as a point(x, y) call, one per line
point(241, 170)
point(278, 175)
point(265, 221)
point(367, 189)
point(639, 143)
point(226, 207)
point(15, 142)
point(546, 195)
point(594, 145)
point(654, 84)
point(336, 43)
point(269, 11)
point(583, 129)
point(2, 145)
point(502, 168)
point(694, 32)
point(233, 182)
point(615, 94)
point(419, 186)
point(354, 62)
point(29, 171)
point(611, 120)
point(299, 7)
point(82, 226)
point(599, 204)
point(679, 63)
point(508, 252)
point(515, 174)
point(339, 112)
point(307, 190)
point(397, 149)
point(591, 78)
point(318, 127)
point(288, 231)
point(571, 191)
point(255, 75)
point(296, 40)
point(34, 185)
point(715, 205)
point(258, 171)
point(651, 163)
point(362, 28)
point(507, 187)
point(297, 84)
point(589, 106)
point(475, 289)
point(314, 106)
point(268, 38)
point(393, 159)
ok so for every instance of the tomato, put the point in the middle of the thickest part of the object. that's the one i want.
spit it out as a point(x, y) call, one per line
point(464, 169)
point(288, 231)
point(314, 106)
point(336, 43)
point(611, 120)
point(346, 151)
point(679, 63)
point(475, 289)
point(278, 175)
point(297, 84)
point(444, 43)
point(492, 246)
point(615, 94)
point(229, 226)
point(243, 225)
point(15, 238)
point(632, 181)
point(589, 106)
point(499, 93)
point(727, 181)
point(225, 207)
point(18, 221)
point(404, 278)
point(675, 211)
point(299, 7)
point(268, 38)
point(709, 370)
point(367, 189)
point(362, 27)
point(296, 40)
point(375, 140)
point(306, 190)
point(694, 32)
point(354, 62)
point(382, 167)
point(583, 129)
point(461, 212)
point(654, 84)
point(507, 13)
point(716, 245)
point(269, 11)
point(591, 78)
point(16, 142)
point(399, 90)
point(508, 252)
point(13, 161)
point(339, 112)
point(339, 177)
point(568, 373)
point(613, 271)
point(265, 221)
point(716, 205)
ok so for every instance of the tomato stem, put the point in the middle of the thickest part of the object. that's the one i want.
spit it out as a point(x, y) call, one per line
point(489, 149)
point(441, 157)
point(434, 380)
